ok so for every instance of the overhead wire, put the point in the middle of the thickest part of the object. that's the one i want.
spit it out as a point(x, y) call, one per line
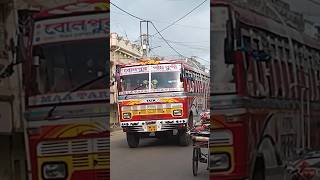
point(193, 46)
point(159, 32)
point(167, 22)
point(174, 22)
point(166, 40)
point(127, 12)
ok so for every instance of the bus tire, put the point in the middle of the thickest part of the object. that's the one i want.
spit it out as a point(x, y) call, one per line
point(259, 169)
point(184, 138)
point(133, 140)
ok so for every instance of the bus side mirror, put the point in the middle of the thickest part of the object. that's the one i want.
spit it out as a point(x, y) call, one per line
point(239, 71)
point(228, 44)
point(117, 73)
point(117, 77)
point(181, 76)
point(227, 52)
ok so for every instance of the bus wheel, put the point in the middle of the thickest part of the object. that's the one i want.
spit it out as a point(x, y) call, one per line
point(133, 140)
point(184, 138)
point(259, 168)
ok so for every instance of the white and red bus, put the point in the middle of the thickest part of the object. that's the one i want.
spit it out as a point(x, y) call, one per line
point(265, 92)
point(160, 98)
point(65, 77)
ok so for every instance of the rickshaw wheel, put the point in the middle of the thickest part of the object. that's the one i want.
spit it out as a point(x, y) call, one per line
point(195, 160)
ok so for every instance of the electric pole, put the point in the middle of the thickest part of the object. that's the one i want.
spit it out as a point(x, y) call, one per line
point(144, 37)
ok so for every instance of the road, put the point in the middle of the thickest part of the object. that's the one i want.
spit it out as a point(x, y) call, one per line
point(153, 159)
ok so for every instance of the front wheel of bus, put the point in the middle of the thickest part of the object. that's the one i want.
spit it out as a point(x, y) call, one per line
point(133, 140)
point(259, 169)
point(184, 138)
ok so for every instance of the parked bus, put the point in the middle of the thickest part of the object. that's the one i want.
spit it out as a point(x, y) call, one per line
point(65, 77)
point(160, 98)
point(265, 91)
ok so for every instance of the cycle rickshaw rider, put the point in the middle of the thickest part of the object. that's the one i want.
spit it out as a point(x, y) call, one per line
point(200, 136)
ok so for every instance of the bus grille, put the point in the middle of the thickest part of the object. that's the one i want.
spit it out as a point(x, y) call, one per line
point(103, 159)
point(71, 147)
point(135, 129)
point(102, 145)
point(51, 148)
point(80, 161)
point(167, 127)
point(80, 146)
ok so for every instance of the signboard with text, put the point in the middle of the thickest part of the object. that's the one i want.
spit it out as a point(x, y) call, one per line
point(71, 28)
point(80, 96)
point(150, 68)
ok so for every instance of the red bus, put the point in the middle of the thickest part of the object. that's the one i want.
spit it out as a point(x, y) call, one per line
point(160, 98)
point(65, 77)
point(265, 91)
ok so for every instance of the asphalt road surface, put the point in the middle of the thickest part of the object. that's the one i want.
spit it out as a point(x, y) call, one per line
point(152, 160)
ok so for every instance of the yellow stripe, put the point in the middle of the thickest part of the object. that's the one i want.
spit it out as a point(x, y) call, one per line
point(153, 111)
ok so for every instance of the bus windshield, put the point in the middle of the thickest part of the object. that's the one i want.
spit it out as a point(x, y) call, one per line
point(160, 80)
point(148, 81)
point(65, 65)
point(135, 82)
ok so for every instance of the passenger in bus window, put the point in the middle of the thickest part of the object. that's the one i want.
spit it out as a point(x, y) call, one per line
point(146, 83)
point(154, 84)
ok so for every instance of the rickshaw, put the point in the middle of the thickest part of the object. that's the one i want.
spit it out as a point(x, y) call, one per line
point(200, 138)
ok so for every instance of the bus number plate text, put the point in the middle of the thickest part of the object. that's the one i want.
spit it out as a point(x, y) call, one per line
point(152, 128)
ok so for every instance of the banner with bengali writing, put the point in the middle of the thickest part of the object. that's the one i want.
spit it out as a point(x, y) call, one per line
point(150, 68)
point(134, 70)
point(71, 28)
point(165, 67)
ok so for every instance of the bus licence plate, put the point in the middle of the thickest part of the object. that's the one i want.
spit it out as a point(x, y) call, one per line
point(152, 128)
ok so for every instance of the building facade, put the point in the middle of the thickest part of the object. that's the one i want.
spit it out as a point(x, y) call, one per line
point(122, 51)
point(13, 164)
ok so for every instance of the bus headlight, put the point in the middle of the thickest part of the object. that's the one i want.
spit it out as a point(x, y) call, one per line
point(126, 115)
point(177, 112)
point(54, 170)
point(220, 162)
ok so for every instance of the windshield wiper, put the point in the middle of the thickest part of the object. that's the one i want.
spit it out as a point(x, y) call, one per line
point(50, 112)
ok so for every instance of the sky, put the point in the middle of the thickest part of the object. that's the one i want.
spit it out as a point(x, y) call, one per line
point(190, 36)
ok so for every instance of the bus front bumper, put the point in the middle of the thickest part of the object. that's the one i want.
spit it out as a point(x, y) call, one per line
point(154, 125)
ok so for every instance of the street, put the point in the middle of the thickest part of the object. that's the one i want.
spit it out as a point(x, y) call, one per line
point(153, 159)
